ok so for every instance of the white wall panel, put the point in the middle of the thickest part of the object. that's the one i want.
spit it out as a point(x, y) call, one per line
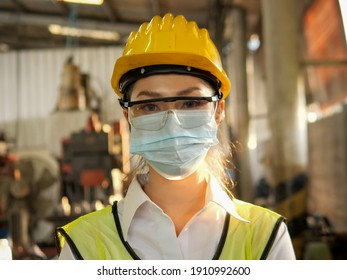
point(8, 87)
point(30, 86)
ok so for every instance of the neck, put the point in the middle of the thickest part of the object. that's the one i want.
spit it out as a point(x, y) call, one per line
point(179, 199)
point(190, 188)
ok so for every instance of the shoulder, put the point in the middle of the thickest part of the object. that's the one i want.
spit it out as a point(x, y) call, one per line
point(254, 212)
point(97, 213)
point(91, 219)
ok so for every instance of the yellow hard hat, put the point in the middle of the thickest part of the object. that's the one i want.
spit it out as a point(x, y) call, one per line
point(169, 45)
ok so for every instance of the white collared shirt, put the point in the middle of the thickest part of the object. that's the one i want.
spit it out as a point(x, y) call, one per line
point(151, 233)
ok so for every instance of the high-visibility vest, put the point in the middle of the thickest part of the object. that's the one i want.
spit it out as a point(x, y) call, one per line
point(98, 235)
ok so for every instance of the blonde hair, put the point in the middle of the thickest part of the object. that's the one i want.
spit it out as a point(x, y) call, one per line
point(219, 162)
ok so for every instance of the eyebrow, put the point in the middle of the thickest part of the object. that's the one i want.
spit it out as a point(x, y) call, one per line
point(154, 94)
point(148, 93)
point(187, 91)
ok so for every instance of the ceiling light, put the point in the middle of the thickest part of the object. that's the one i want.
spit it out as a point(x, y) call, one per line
point(253, 43)
point(88, 2)
point(79, 32)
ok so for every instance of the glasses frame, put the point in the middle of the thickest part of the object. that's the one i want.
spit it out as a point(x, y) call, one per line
point(128, 104)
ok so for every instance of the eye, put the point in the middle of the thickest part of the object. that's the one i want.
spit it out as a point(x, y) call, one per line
point(147, 108)
point(194, 104)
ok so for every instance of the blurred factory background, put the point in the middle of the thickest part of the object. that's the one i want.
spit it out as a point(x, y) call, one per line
point(64, 147)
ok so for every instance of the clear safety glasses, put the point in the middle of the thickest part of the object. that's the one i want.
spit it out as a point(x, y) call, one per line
point(189, 111)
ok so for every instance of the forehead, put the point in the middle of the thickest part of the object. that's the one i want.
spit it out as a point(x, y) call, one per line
point(167, 85)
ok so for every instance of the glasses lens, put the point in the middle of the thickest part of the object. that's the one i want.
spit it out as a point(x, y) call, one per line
point(148, 122)
point(189, 113)
point(192, 119)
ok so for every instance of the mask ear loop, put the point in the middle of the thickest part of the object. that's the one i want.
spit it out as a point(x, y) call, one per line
point(143, 178)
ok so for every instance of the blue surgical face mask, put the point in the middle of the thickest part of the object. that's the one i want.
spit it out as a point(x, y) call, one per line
point(174, 152)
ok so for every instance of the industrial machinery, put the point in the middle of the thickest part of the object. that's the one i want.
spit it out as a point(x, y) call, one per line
point(29, 192)
point(86, 168)
point(72, 94)
point(319, 238)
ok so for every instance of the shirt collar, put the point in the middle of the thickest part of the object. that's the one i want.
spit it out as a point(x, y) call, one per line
point(135, 197)
point(216, 194)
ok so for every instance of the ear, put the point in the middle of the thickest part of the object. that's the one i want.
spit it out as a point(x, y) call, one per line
point(220, 114)
point(125, 113)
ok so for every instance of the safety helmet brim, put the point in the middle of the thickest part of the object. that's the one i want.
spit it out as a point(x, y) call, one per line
point(123, 64)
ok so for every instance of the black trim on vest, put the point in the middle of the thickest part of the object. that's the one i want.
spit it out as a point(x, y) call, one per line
point(72, 245)
point(120, 233)
point(136, 257)
point(223, 238)
point(272, 238)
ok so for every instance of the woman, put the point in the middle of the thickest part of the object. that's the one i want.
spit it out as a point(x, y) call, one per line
point(172, 88)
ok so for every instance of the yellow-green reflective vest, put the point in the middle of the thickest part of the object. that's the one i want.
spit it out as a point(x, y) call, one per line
point(98, 235)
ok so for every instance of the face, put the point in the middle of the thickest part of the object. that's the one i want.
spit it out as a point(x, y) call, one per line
point(173, 85)
point(172, 125)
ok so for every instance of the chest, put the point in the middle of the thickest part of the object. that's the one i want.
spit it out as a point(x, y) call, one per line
point(153, 234)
